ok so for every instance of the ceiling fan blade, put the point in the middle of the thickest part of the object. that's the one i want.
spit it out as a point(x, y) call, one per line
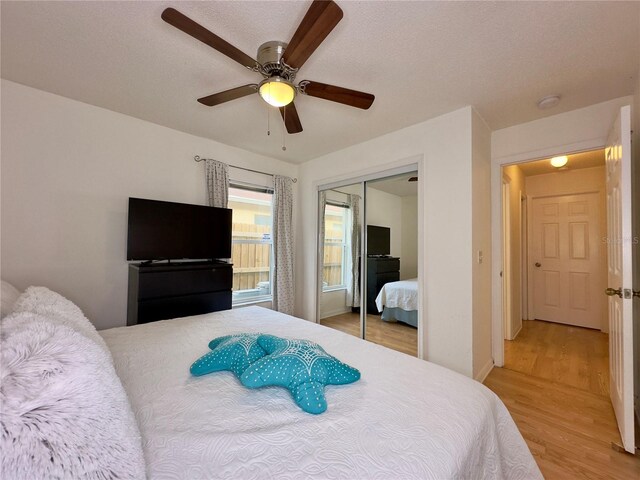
point(197, 31)
point(353, 98)
point(291, 118)
point(227, 95)
point(318, 22)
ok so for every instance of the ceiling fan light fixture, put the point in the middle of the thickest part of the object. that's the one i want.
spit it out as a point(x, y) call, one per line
point(277, 91)
point(559, 161)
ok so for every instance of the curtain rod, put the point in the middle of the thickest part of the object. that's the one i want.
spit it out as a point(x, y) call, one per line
point(198, 159)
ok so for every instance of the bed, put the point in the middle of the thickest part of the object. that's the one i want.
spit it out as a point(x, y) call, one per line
point(121, 403)
point(398, 302)
point(405, 418)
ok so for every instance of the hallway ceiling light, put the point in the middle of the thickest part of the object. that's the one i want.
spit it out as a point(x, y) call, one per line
point(559, 161)
point(548, 102)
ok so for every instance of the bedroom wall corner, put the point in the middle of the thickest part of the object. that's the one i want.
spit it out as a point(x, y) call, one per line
point(444, 144)
point(68, 169)
point(481, 245)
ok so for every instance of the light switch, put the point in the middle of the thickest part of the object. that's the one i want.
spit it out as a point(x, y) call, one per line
point(480, 256)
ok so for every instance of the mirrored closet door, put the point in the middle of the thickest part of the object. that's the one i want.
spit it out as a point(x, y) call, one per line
point(391, 283)
point(368, 260)
point(340, 246)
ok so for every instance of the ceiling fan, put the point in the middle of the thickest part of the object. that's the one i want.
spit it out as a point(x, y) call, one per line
point(278, 63)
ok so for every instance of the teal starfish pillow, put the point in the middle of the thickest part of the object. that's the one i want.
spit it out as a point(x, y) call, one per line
point(231, 352)
point(301, 366)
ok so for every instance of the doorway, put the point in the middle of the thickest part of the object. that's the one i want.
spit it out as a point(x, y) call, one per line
point(555, 270)
point(368, 260)
point(618, 241)
point(565, 258)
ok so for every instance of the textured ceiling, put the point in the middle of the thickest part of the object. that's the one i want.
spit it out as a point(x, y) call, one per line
point(398, 185)
point(420, 59)
point(594, 158)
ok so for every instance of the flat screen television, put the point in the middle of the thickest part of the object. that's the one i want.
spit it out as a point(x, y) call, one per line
point(378, 240)
point(173, 231)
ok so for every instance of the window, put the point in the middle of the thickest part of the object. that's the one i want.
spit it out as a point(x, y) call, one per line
point(335, 246)
point(252, 244)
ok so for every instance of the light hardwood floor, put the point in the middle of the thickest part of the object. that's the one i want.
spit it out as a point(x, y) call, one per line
point(398, 336)
point(555, 385)
point(573, 356)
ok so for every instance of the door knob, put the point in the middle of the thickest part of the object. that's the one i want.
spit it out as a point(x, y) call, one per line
point(614, 291)
point(636, 293)
point(538, 264)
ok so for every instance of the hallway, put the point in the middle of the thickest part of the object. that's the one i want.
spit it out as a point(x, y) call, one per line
point(556, 386)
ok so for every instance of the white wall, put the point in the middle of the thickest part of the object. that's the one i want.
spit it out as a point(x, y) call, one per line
point(568, 182)
point(445, 189)
point(333, 302)
point(409, 251)
point(574, 131)
point(481, 242)
point(383, 210)
point(68, 169)
point(578, 130)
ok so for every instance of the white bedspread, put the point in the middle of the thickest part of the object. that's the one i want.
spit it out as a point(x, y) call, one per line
point(402, 294)
point(406, 418)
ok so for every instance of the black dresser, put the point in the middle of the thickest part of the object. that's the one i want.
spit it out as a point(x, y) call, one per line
point(162, 291)
point(380, 270)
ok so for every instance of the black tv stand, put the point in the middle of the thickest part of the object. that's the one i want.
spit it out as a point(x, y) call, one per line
point(149, 262)
point(159, 291)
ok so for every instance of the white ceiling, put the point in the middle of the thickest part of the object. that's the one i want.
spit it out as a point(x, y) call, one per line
point(576, 161)
point(398, 185)
point(420, 59)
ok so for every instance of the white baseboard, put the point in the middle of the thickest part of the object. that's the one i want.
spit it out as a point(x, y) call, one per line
point(484, 371)
point(519, 330)
point(335, 312)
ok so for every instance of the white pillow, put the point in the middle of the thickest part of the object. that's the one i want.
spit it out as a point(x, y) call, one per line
point(60, 310)
point(8, 296)
point(64, 411)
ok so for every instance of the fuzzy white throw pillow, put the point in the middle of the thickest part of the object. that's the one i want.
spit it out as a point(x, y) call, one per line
point(58, 309)
point(64, 411)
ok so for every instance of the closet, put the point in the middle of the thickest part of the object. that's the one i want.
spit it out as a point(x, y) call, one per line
point(367, 269)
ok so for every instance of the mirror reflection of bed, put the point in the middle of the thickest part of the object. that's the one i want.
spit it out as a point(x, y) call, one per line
point(389, 316)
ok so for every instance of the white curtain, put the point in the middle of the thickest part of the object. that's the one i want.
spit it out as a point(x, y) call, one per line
point(283, 294)
point(322, 203)
point(217, 183)
point(353, 253)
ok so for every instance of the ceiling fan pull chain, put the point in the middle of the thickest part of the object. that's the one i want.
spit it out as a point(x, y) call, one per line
point(268, 121)
point(284, 134)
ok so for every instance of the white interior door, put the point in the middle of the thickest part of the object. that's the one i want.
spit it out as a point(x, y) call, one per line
point(568, 270)
point(619, 240)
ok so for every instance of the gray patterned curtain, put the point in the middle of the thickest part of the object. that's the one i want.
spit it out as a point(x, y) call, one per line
point(217, 183)
point(353, 280)
point(283, 290)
